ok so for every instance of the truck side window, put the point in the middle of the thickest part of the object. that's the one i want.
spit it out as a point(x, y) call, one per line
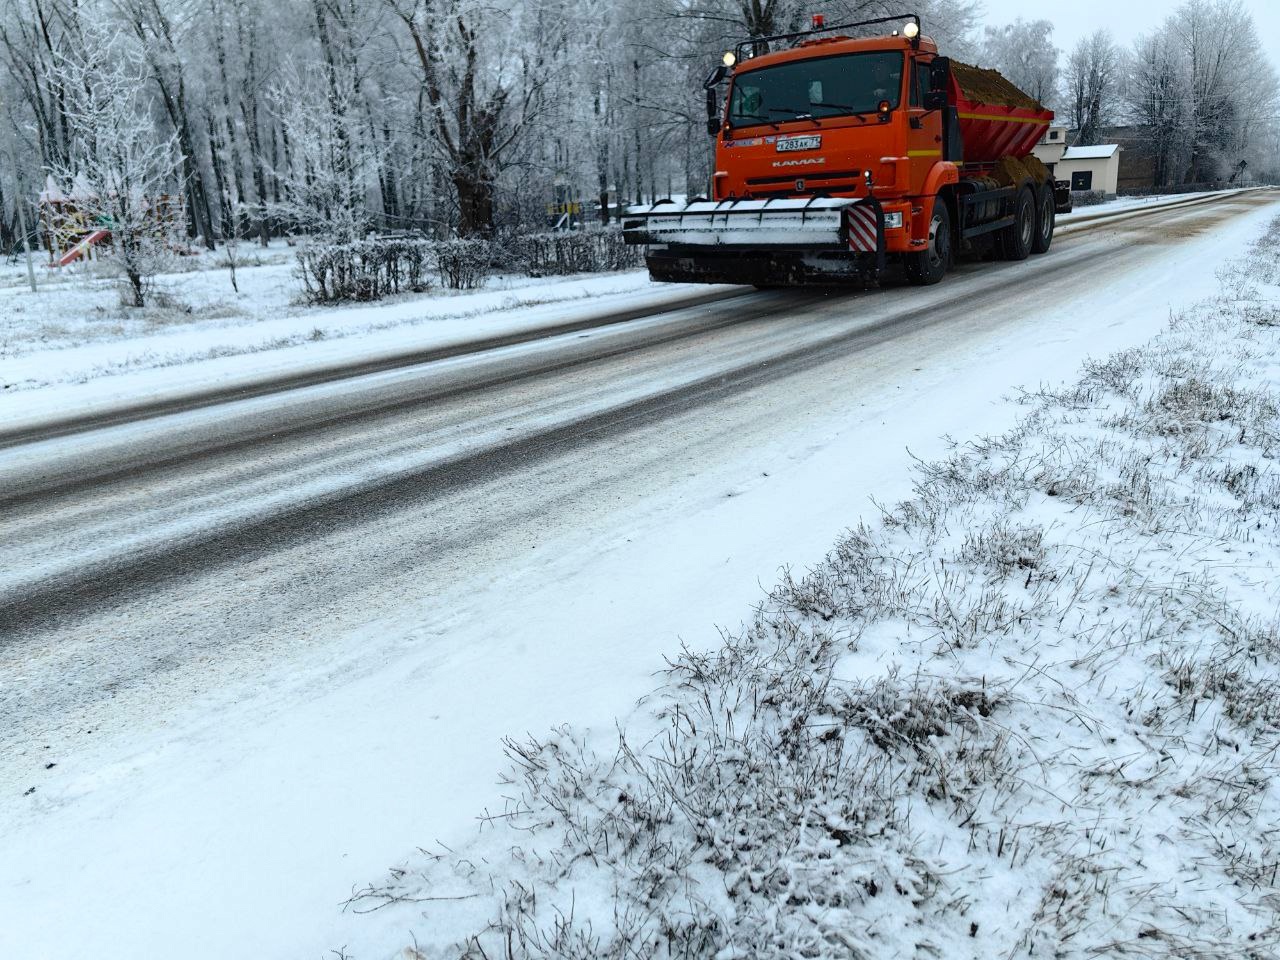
point(920, 80)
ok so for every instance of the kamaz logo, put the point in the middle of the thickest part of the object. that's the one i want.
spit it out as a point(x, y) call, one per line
point(812, 161)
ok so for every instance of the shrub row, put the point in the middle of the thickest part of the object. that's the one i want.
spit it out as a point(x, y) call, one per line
point(583, 251)
point(464, 264)
point(1174, 188)
point(362, 270)
point(1087, 198)
point(371, 269)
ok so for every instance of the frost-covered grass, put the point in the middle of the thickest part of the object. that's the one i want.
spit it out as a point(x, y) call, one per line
point(81, 306)
point(1032, 711)
point(75, 330)
point(81, 303)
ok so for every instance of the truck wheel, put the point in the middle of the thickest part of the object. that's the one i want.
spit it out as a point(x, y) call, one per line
point(930, 265)
point(1017, 238)
point(1046, 217)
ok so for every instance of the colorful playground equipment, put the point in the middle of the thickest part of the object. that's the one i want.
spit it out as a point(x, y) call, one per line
point(81, 249)
point(74, 226)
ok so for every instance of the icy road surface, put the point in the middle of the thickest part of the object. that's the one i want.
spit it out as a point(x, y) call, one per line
point(252, 654)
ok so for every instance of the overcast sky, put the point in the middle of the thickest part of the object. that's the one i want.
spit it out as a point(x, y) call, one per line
point(1075, 19)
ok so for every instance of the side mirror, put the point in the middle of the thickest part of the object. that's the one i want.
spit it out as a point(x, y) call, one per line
point(715, 76)
point(939, 78)
point(935, 100)
point(713, 112)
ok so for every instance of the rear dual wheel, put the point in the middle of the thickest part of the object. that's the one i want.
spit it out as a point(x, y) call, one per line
point(1017, 240)
point(1046, 218)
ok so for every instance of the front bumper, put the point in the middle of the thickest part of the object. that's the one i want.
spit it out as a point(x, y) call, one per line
point(833, 240)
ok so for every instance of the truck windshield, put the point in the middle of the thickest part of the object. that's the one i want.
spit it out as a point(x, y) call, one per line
point(816, 87)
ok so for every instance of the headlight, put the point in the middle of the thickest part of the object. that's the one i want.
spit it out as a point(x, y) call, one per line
point(729, 59)
point(893, 221)
point(911, 30)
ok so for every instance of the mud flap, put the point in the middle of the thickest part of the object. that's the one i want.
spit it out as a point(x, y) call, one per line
point(864, 230)
point(1062, 196)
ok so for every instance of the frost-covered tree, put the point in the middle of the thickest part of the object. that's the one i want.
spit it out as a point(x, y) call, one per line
point(1093, 76)
point(1156, 94)
point(484, 89)
point(158, 27)
point(121, 170)
point(1226, 81)
point(331, 169)
point(1204, 99)
point(1025, 53)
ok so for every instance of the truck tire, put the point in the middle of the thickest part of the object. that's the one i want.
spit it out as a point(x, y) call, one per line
point(1017, 238)
point(1046, 218)
point(930, 265)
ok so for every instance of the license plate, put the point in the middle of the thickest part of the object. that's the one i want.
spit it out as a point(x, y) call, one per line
point(799, 143)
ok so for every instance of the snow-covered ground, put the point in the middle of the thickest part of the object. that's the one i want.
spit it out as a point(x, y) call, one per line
point(75, 337)
point(72, 346)
point(242, 837)
point(1135, 204)
point(1030, 711)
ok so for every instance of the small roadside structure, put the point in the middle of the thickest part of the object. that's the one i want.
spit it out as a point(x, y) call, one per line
point(1095, 168)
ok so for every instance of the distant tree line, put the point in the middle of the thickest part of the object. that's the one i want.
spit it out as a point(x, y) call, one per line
point(466, 118)
point(444, 117)
point(1200, 89)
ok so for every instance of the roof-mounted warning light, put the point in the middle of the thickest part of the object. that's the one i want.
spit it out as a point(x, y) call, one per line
point(819, 21)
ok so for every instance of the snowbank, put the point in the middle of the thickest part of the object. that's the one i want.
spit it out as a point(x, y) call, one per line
point(155, 362)
point(1034, 710)
point(74, 331)
point(1136, 204)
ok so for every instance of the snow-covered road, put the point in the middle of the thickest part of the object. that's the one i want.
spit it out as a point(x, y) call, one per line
point(275, 644)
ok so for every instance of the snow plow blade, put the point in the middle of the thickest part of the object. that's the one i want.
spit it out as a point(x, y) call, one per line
point(762, 242)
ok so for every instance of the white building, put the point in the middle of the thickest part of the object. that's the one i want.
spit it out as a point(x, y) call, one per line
point(1088, 168)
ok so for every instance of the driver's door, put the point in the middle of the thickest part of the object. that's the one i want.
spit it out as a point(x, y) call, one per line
point(924, 127)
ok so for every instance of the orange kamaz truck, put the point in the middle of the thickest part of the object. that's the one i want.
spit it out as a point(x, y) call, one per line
point(841, 157)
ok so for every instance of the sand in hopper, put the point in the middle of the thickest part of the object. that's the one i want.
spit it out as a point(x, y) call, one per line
point(991, 87)
point(1009, 171)
point(1039, 172)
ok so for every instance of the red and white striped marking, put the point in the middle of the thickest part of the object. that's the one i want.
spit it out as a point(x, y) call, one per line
point(861, 220)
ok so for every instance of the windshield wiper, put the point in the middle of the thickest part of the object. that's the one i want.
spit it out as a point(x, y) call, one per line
point(796, 114)
point(848, 108)
point(755, 116)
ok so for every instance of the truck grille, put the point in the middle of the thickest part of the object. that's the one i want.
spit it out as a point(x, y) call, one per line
point(824, 177)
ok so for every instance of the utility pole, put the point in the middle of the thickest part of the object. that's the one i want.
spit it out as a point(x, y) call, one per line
point(22, 217)
point(26, 242)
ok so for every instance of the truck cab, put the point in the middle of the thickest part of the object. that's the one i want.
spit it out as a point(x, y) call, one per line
point(839, 117)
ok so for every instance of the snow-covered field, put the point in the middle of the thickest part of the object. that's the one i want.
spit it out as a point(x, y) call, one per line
point(1030, 711)
point(74, 336)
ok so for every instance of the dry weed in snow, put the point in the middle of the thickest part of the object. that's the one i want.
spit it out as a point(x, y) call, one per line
point(1032, 712)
